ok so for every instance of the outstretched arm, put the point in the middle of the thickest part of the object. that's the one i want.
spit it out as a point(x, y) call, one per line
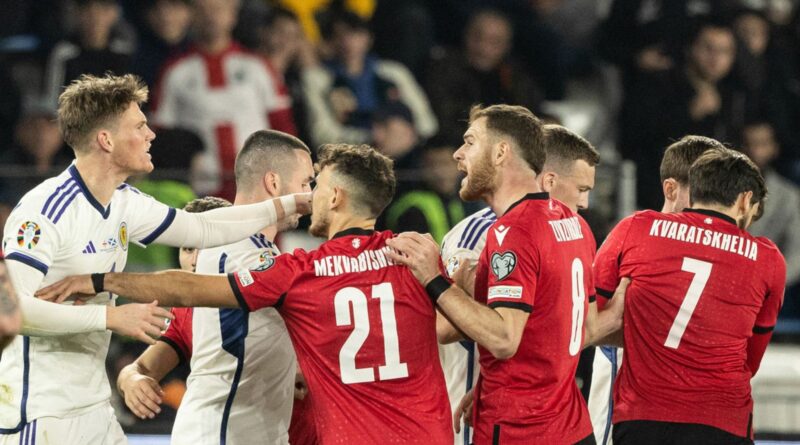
point(171, 288)
point(229, 224)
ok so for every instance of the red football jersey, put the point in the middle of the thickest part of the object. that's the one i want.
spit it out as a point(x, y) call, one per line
point(179, 333)
point(538, 259)
point(700, 288)
point(365, 334)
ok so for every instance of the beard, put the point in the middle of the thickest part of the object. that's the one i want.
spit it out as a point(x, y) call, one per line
point(319, 225)
point(481, 181)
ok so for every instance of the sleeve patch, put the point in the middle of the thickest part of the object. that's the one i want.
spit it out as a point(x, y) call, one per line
point(28, 235)
point(505, 292)
point(245, 278)
point(503, 264)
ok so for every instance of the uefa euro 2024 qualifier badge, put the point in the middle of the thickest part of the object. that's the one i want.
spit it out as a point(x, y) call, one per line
point(28, 235)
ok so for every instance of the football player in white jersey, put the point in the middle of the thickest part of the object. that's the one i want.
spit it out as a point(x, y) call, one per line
point(568, 175)
point(608, 359)
point(241, 385)
point(53, 377)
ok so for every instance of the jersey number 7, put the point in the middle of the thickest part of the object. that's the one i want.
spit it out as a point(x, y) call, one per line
point(393, 368)
point(701, 271)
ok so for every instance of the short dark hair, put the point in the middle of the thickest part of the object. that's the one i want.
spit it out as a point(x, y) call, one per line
point(199, 205)
point(521, 125)
point(565, 147)
point(369, 174)
point(719, 176)
point(263, 151)
point(680, 155)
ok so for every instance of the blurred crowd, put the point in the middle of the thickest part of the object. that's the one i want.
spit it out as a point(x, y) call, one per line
point(629, 75)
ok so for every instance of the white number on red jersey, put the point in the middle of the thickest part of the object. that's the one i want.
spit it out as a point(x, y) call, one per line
point(393, 368)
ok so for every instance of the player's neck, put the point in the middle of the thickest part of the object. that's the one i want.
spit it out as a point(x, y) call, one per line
point(269, 232)
point(727, 211)
point(340, 222)
point(512, 188)
point(100, 178)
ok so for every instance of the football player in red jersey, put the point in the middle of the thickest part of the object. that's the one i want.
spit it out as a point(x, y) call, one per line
point(533, 285)
point(674, 171)
point(699, 312)
point(363, 327)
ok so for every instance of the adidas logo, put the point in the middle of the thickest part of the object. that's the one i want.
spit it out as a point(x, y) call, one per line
point(89, 248)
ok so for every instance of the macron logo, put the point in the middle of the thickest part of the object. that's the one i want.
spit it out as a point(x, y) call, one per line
point(500, 234)
point(89, 248)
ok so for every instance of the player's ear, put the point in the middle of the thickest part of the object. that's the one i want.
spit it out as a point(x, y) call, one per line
point(670, 188)
point(105, 140)
point(337, 198)
point(548, 181)
point(272, 183)
point(502, 150)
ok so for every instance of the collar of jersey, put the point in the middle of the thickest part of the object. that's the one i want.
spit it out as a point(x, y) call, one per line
point(353, 231)
point(540, 195)
point(89, 197)
point(713, 213)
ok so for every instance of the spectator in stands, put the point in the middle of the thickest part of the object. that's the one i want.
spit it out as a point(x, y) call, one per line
point(222, 92)
point(37, 153)
point(696, 98)
point(164, 34)
point(342, 95)
point(394, 135)
point(102, 44)
point(480, 73)
point(434, 205)
point(781, 219)
point(316, 15)
point(282, 42)
point(764, 67)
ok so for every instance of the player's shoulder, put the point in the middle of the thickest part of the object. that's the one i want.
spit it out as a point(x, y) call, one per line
point(49, 200)
point(768, 247)
point(467, 233)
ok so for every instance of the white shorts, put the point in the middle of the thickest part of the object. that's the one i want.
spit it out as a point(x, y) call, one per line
point(96, 427)
point(607, 362)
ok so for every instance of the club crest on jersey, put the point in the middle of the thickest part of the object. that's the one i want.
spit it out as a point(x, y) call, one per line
point(452, 266)
point(123, 235)
point(503, 264)
point(265, 261)
point(356, 243)
point(28, 235)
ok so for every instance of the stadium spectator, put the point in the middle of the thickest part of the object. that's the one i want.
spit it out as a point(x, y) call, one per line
point(431, 203)
point(482, 72)
point(395, 392)
point(101, 44)
point(699, 98)
point(38, 153)
point(222, 92)
point(342, 95)
point(394, 135)
point(163, 34)
point(781, 219)
point(281, 41)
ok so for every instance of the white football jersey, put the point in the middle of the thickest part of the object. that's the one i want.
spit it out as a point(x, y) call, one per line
point(241, 386)
point(223, 98)
point(60, 229)
point(607, 361)
point(464, 242)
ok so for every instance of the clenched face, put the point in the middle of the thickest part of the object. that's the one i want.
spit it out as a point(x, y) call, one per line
point(320, 198)
point(299, 181)
point(475, 159)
